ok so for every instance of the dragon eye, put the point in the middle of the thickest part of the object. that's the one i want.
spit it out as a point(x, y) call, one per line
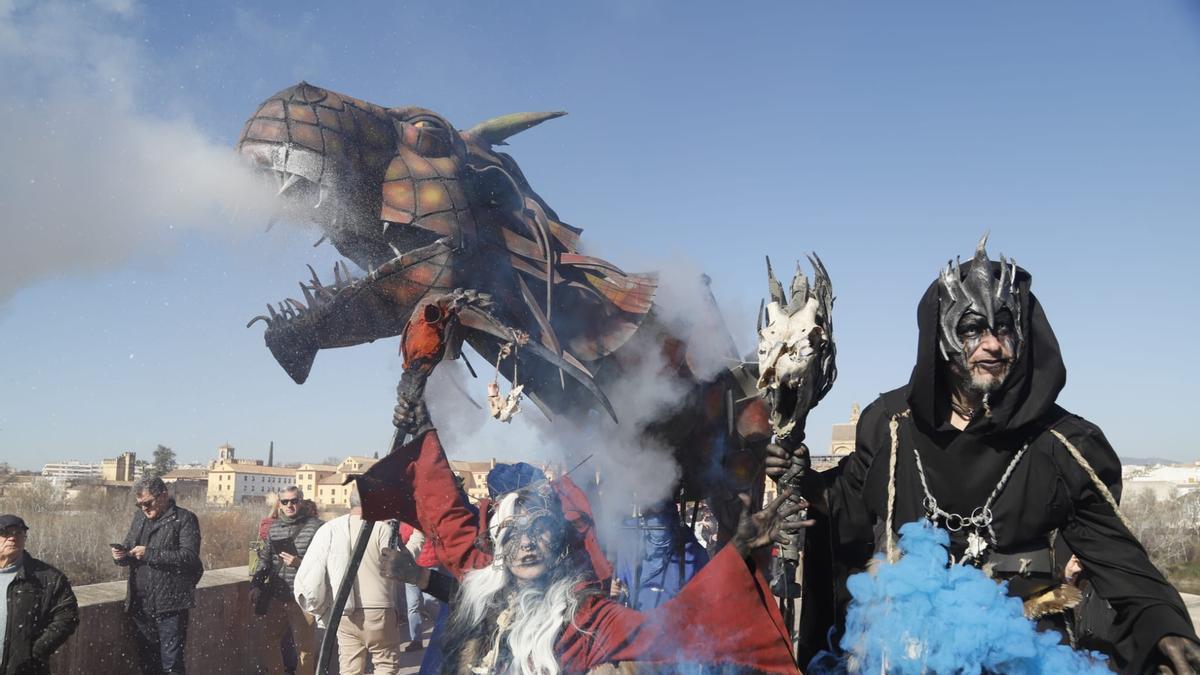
point(427, 122)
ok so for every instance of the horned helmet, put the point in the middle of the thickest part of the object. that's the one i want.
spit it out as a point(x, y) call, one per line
point(977, 291)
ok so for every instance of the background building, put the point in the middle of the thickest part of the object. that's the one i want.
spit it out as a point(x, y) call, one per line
point(239, 483)
point(71, 470)
point(474, 476)
point(121, 469)
point(234, 481)
point(308, 475)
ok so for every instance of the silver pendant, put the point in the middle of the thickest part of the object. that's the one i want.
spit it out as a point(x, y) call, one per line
point(976, 545)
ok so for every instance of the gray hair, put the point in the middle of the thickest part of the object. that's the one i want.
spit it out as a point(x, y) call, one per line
point(293, 488)
point(151, 485)
point(355, 500)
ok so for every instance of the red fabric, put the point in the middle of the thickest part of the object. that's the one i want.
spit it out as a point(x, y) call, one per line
point(264, 527)
point(725, 614)
point(427, 556)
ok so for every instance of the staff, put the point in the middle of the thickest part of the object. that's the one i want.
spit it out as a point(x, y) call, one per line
point(796, 368)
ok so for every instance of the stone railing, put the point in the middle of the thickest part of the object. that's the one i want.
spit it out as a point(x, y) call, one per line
point(222, 636)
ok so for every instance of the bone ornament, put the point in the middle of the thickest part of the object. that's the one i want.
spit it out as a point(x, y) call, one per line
point(796, 350)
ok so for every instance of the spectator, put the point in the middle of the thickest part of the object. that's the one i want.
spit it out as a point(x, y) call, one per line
point(286, 643)
point(287, 542)
point(421, 549)
point(162, 552)
point(369, 621)
point(34, 591)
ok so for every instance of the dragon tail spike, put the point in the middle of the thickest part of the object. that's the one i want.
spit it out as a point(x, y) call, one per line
point(299, 306)
point(761, 307)
point(271, 311)
point(315, 279)
point(773, 286)
point(260, 317)
point(499, 129)
point(308, 296)
point(320, 241)
point(337, 276)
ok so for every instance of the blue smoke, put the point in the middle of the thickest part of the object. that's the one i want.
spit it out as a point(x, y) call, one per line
point(920, 615)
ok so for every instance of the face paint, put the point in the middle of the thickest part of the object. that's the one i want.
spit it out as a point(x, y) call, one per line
point(531, 542)
point(987, 350)
point(977, 305)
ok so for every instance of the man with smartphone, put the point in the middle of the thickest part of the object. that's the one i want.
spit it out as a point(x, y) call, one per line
point(162, 552)
point(287, 542)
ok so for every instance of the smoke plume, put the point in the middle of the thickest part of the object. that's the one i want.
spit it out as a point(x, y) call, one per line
point(635, 471)
point(89, 180)
point(920, 615)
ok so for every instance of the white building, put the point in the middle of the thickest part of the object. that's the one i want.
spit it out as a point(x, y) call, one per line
point(1167, 481)
point(237, 483)
point(71, 470)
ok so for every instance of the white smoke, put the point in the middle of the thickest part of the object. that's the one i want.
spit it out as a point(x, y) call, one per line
point(635, 471)
point(89, 180)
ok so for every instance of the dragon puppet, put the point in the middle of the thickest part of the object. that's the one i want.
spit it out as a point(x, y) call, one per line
point(455, 246)
point(425, 209)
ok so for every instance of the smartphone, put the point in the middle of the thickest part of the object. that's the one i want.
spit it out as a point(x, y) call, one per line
point(119, 547)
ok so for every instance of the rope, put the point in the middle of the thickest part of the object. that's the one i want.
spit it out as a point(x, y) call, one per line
point(1100, 486)
point(894, 427)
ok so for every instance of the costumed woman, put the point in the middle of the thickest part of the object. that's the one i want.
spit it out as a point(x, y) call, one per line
point(529, 599)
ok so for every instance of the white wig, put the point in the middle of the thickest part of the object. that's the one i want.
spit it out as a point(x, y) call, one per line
point(538, 611)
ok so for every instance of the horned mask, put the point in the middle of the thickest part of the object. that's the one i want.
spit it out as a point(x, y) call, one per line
point(795, 348)
point(980, 292)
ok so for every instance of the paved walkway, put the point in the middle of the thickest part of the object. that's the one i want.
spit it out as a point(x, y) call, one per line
point(1193, 607)
point(410, 664)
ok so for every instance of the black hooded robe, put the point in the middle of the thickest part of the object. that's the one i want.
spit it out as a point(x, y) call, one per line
point(1048, 491)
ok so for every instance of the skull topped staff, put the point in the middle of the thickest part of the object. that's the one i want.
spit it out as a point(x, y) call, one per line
point(796, 366)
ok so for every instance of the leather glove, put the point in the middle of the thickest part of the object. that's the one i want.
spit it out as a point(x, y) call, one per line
point(399, 564)
point(411, 415)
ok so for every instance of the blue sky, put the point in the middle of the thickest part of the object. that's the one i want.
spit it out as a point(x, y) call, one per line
point(885, 136)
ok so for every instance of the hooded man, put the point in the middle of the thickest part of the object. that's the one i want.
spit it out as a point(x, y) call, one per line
point(976, 443)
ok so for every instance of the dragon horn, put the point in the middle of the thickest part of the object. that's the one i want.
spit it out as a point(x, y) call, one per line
point(773, 286)
point(499, 129)
point(761, 307)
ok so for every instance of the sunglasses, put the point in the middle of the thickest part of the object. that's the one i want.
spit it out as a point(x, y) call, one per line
point(288, 502)
point(12, 533)
point(146, 504)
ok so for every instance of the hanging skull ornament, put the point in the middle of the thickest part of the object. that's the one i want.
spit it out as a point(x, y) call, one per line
point(795, 349)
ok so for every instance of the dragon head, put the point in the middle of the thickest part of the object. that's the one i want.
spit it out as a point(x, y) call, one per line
point(422, 209)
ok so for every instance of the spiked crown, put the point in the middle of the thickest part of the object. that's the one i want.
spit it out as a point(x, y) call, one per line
point(979, 290)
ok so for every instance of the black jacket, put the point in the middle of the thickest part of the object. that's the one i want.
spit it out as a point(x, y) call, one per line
point(42, 614)
point(1048, 491)
point(300, 531)
point(166, 579)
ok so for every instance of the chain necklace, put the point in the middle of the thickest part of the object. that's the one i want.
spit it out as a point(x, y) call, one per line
point(980, 521)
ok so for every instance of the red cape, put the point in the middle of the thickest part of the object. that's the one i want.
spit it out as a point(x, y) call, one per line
point(725, 614)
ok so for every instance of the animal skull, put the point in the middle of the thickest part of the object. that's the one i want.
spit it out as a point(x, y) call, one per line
point(796, 349)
